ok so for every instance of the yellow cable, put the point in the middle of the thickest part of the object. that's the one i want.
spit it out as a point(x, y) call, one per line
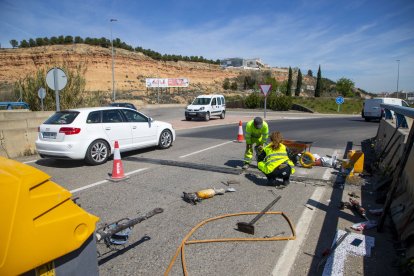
point(184, 241)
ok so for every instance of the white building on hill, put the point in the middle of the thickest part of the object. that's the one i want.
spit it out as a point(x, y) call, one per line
point(253, 63)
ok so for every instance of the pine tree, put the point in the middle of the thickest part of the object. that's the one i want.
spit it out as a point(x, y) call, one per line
point(79, 39)
point(318, 88)
point(24, 44)
point(298, 84)
point(14, 43)
point(54, 40)
point(40, 41)
point(289, 83)
point(32, 42)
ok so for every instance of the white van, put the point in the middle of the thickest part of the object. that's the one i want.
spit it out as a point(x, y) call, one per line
point(205, 106)
point(372, 107)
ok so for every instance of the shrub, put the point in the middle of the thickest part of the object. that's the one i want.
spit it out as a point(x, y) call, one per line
point(235, 101)
point(72, 96)
point(279, 102)
point(254, 100)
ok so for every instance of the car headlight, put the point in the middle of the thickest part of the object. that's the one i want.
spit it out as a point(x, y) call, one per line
point(202, 108)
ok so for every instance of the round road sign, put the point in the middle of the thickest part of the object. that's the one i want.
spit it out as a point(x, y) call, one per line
point(339, 100)
point(56, 75)
point(41, 93)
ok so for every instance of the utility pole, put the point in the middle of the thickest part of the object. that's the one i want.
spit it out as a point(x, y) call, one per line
point(113, 72)
point(398, 76)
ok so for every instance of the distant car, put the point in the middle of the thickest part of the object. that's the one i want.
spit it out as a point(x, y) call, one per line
point(205, 106)
point(128, 105)
point(90, 133)
point(13, 105)
point(372, 107)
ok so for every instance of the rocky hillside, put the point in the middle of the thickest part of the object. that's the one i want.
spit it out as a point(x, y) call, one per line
point(131, 69)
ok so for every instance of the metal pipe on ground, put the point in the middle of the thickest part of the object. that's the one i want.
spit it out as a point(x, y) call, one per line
point(189, 165)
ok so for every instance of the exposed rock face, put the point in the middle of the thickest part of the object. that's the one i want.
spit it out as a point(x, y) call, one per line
point(131, 68)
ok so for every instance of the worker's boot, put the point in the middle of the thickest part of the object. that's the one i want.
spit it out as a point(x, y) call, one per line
point(286, 182)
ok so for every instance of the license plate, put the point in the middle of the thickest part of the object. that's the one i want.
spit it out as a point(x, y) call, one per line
point(192, 113)
point(49, 135)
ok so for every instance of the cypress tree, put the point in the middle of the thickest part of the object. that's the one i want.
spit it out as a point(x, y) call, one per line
point(318, 88)
point(289, 83)
point(298, 84)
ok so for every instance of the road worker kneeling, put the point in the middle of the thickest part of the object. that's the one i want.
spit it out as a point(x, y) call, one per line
point(274, 161)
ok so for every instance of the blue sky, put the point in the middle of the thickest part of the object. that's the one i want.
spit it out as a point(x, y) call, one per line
point(359, 40)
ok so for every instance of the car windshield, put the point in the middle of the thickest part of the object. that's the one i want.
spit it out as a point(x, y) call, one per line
point(201, 101)
point(62, 118)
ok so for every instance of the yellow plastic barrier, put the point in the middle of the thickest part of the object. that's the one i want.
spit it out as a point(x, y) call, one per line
point(354, 163)
point(39, 221)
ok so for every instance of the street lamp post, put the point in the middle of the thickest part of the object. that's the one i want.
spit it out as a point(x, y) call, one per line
point(113, 73)
point(398, 76)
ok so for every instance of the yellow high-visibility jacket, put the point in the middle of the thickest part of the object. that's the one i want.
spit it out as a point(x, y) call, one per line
point(256, 135)
point(274, 158)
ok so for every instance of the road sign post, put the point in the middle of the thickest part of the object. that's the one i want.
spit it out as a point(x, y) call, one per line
point(41, 93)
point(56, 80)
point(339, 100)
point(265, 88)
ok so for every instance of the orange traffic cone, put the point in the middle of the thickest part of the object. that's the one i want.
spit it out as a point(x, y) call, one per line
point(117, 168)
point(240, 136)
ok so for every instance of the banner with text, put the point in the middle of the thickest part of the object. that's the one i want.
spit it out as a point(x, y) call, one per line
point(174, 82)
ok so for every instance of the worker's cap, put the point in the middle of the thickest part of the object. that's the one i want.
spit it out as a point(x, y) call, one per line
point(258, 122)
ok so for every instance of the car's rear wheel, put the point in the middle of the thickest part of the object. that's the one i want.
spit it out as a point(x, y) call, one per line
point(166, 139)
point(207, 117)
point(97, 153)
point(223, 114)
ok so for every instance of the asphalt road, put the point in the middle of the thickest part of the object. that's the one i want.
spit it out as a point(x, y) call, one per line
point(152, 243)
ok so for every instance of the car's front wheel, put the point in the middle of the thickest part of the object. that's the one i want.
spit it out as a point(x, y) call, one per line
point(207, 116)
point(166, 139)
point(97, 153)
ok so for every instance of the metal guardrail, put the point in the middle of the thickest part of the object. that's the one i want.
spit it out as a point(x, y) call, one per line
point(400, 113)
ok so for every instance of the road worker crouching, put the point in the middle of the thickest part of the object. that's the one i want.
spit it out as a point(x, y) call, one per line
point(274, 161)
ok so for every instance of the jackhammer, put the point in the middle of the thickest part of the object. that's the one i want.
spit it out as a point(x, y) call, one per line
point(117, 233)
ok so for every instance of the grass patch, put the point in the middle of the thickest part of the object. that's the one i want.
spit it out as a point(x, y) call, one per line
point(328, 105)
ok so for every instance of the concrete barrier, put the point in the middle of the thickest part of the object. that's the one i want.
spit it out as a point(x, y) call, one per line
point(18, 131)
point(402, 205)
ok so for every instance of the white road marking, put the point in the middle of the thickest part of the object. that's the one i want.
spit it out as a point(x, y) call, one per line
point(103, 181)
point(335, 264)
point(136, 171)
point(219, 145)
point(288, 256)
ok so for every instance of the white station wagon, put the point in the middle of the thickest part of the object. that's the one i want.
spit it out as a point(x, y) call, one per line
point(90, 133)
